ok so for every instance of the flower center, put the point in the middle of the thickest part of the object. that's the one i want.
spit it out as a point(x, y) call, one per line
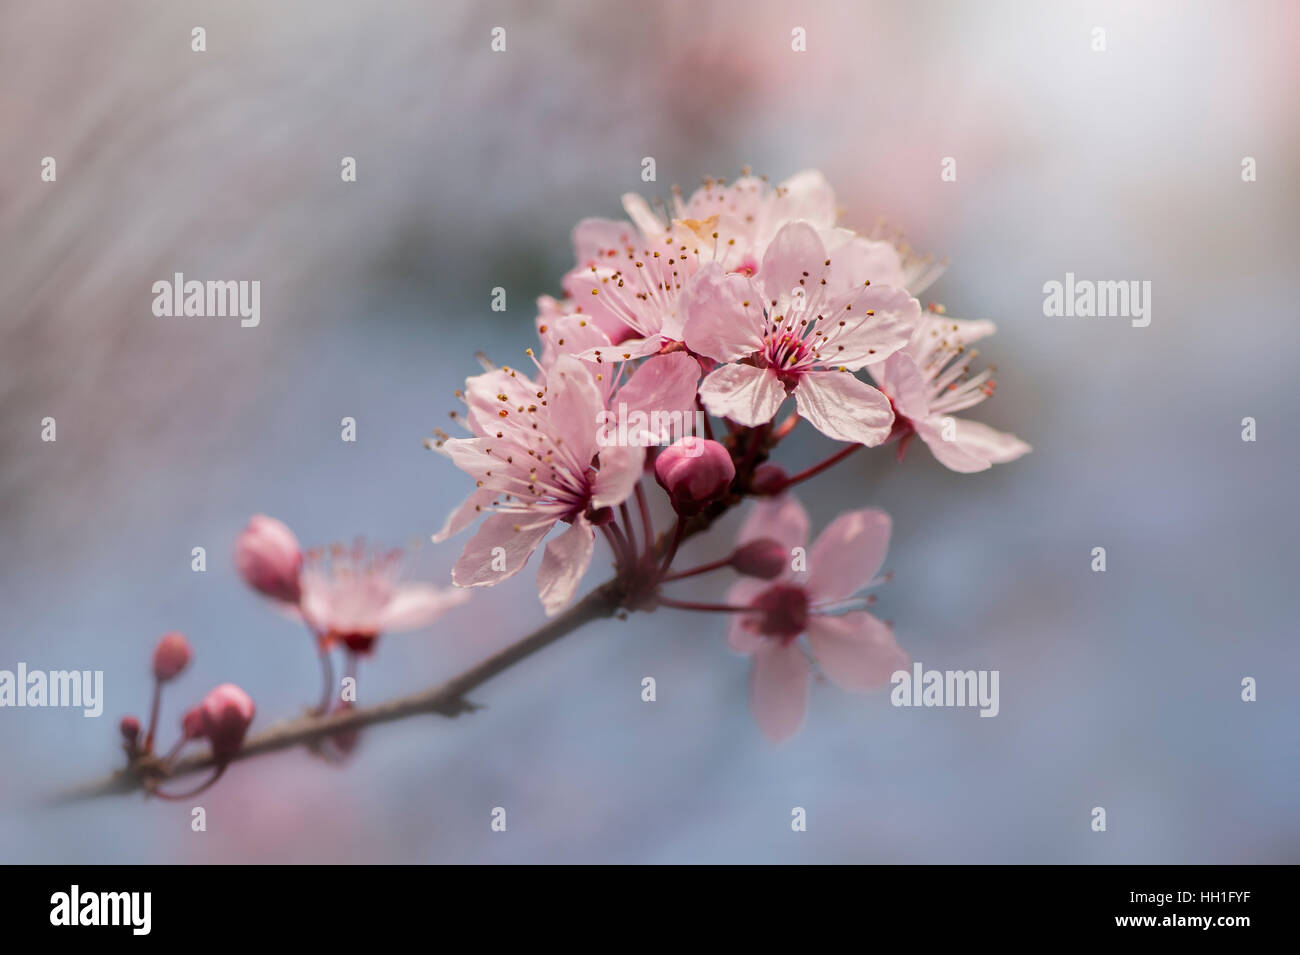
point(785, 611)
point(787, 354)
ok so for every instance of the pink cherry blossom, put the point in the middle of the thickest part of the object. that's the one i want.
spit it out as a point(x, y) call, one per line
point(269, 559)
point(854, 649)
point(929, 381)
point(633, 275)
point(352, 595)
point(538, 462)
point(799, 327)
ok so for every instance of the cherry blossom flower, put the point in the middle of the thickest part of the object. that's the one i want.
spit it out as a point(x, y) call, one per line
point(854, 649)
point(632, 276)
point(537, 461)
point(929, 381)
point(352, 595)
point(799, 327)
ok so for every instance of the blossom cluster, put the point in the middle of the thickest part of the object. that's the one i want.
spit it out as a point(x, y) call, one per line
point(725, 305)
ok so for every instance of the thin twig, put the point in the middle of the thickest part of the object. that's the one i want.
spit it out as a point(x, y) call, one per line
point(448, 699)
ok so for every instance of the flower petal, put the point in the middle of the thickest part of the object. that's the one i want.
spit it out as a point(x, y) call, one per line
point(867, 324)
point(625, 350)
point(417, 605)
point(564, 562)
point(465, 514)
point(858, 259)
point(780, 518)
point(481, 565)
point(848, 554)
point(855, 651)
point(724, 314)
point(806, 195)
point(573, 402)
point(739, 636)
point(639, 211)
point(842, 407)
point(594, 239)
point(747, 395)
point(974, 445)
point(664, 383)
point(901, 380)
point(778, 689)
point(796, 260)
point(620, 469)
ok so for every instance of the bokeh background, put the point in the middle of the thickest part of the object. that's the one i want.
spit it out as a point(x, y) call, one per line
point(1119, 690)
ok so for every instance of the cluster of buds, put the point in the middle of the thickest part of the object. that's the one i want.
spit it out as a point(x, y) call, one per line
point(222, 717)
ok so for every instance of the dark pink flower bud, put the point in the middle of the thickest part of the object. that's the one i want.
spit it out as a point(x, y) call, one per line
point(768, 479)
point(130, 729)
point(192, 726)
point(764, 558)
point(695, 472)
point(269, 559)
point(171, 656)
point(226, 713)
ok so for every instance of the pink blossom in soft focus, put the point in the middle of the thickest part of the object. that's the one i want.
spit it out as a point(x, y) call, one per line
point(538, 462)
point(269, 559)
point(695, 472)
point(800, 326)
point(633, 275)
point(851, 647)
point(171, 656)
point(224, 717)
point(353, 595)
point(929, 381)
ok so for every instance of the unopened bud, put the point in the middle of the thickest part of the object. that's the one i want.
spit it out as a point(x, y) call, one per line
point(764, 558)
point(130, 729)
point(171, 656)
point(227, 711)
point(192, 723)
point(768, 479)
point(695, 472)
point(269, 559)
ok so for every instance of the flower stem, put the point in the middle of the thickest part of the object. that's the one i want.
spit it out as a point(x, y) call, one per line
point(702, 569)
point(679, 529)
point(711, 608)
point(628, 528)
point(647, 525)
point(327, 671)
point(816, 469)
point(153, 715)
point(220, 771)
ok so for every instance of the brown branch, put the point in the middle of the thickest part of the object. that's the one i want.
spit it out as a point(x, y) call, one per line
point(447, 699)
point(635, 592)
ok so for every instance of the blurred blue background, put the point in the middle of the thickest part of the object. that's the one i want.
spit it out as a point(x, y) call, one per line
point(1119, 690)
